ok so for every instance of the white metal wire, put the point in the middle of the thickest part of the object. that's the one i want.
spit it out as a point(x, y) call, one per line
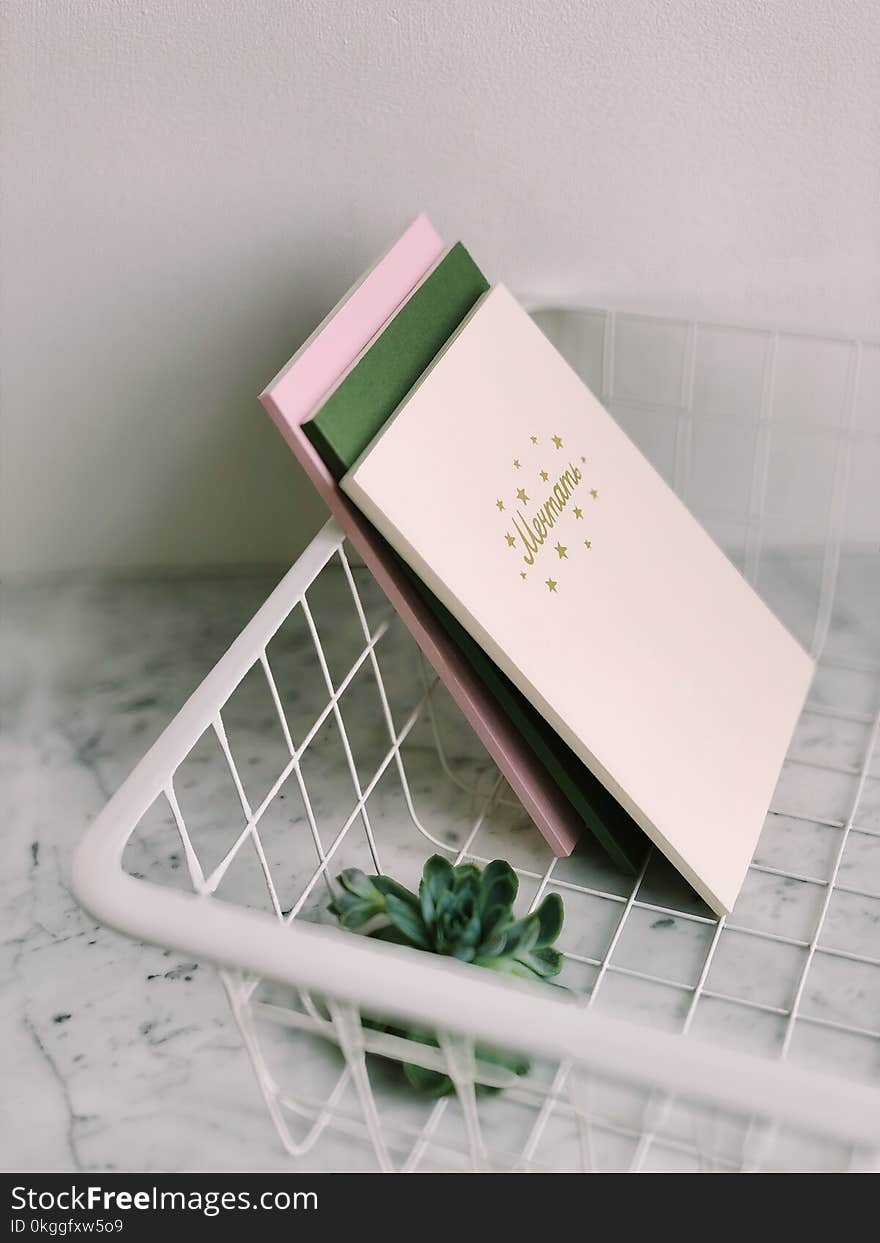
point(583, 1105)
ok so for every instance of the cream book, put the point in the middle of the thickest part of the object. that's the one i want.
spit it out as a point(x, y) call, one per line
point(516, 497)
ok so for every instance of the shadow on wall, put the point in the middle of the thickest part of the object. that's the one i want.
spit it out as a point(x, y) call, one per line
point(233, 484)
point(189, 471)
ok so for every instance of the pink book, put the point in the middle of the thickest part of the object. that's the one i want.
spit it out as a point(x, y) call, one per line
point(291, 399)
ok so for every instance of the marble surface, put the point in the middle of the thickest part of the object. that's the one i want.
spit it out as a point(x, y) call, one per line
point(123, 1056)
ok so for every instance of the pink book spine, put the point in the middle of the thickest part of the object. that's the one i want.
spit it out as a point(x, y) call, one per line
point(290, 399)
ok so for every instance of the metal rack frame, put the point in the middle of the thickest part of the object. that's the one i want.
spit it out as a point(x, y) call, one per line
point(630, 1097)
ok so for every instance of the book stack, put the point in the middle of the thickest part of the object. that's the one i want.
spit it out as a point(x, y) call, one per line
point(624, 677)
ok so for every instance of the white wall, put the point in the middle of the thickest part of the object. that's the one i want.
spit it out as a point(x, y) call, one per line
point(188, 185)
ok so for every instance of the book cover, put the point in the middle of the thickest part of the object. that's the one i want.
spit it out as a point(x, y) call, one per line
point(315, 369)
point(346, 422)
point(519, 501)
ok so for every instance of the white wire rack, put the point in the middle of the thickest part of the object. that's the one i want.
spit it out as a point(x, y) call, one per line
point(320, 742)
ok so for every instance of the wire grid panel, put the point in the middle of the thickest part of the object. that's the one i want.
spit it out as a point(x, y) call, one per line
point(772, 439)
point(267, 820)
point(323, 753)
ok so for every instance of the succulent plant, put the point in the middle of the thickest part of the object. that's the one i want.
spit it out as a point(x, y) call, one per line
point(464, 912)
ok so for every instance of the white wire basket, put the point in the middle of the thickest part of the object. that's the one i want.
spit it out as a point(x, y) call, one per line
point(321, 741)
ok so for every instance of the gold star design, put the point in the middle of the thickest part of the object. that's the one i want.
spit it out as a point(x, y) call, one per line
point(544, 475)
point(521, 493)
point(499, 504)
point(589, 543)
point(562, 550)
point(516, 463)
point(551, 583)
point(594, 494)
point(511, 540)
point(522, 573)
point(557, 440)
point(578, 513)
point(533, 439)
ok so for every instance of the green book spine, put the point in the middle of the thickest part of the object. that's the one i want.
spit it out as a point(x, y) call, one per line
point(345, 425)
point(376, 385)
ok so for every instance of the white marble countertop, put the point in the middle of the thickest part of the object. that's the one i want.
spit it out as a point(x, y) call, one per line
point(123, 1056)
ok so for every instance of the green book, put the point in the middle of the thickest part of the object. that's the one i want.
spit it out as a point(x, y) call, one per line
point(346, 424)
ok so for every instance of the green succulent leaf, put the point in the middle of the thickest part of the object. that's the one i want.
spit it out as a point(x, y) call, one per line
point(385, 885)
point(435, 1084)
point(498, 868)
point(500, 885)
point(551, 916)
point(494, 922)
point(514, 1062)
point(352, 912)
point(430, 1083)
point(437, 876)
point(438, 873)
point(358, 900)
point(491, 947)
point(407, 921)
point(522, 935)
point(548, 960)
point(354, 881)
